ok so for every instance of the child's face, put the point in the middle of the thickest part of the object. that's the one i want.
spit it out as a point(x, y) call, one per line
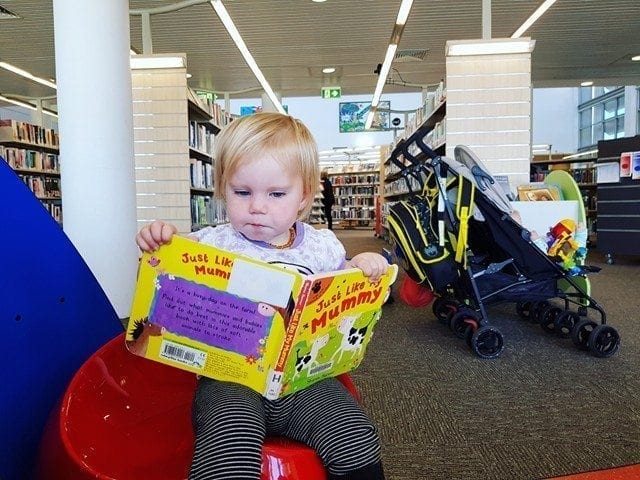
point(263, 200)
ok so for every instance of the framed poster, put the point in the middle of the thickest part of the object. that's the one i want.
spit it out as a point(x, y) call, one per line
point(353, 116)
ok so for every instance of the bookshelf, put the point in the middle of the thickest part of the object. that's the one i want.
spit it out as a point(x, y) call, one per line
point(174, 136)
point(355, 188)
point(33, 153)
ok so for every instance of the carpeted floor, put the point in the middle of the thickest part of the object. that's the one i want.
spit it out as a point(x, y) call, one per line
point(543, 409)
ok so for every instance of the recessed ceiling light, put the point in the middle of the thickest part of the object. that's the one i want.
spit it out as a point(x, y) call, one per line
point(318, 1)
point(586, 84)
point(189, 75)
point(636, 58)
point(328, 70)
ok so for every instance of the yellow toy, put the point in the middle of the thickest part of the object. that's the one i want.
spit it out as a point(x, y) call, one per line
point(566, 243)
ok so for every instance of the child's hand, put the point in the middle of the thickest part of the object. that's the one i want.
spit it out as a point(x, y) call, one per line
point(373, 265)
point(151, 236)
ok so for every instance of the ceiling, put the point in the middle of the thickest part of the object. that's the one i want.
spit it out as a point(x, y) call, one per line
point(292, 40)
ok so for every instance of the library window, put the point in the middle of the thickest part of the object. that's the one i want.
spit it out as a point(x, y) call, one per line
point(601, 115)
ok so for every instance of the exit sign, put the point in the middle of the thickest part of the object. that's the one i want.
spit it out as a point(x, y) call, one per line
point(331, 92)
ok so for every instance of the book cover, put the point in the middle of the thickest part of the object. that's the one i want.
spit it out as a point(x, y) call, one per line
point(537, 192)
point(233, 318)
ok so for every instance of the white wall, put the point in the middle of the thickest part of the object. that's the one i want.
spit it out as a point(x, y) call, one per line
point(555, 118)
point(321, 116)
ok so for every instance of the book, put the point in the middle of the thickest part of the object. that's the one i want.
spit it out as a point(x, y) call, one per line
point(538, 192)
point(229, 317)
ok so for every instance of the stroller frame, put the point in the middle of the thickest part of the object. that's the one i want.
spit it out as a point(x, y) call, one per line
point(531, 280)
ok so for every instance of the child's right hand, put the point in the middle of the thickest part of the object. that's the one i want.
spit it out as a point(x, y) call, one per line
point(151, 236)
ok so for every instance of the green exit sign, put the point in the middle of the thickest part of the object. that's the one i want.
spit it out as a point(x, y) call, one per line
point(331, 92)
point(207, 95)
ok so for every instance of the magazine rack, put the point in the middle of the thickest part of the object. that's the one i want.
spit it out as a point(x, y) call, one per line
point(125, 417)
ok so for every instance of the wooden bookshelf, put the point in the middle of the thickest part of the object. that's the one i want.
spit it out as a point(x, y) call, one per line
point(32, 152)
point(355, 189)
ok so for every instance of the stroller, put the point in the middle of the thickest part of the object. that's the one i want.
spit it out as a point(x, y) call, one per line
point(495, 258)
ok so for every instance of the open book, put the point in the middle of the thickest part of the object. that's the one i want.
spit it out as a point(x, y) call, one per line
point(229, 317)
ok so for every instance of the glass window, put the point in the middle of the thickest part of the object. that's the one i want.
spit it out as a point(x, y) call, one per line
point(585, 136)
point(585, 118)
point(610, 109)
point(601, 118)
point(610, 129)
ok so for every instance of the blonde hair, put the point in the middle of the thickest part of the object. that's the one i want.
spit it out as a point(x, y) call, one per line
point(282, 137)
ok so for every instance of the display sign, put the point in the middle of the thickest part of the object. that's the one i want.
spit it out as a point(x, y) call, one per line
point(331, 92)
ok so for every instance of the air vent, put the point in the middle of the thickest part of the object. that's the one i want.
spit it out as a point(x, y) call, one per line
point(411, 55)
point(6, 14)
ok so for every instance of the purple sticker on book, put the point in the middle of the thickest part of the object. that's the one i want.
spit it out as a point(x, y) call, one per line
point(210, 316)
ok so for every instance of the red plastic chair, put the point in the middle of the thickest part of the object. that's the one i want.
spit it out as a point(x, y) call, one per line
point(124, 418)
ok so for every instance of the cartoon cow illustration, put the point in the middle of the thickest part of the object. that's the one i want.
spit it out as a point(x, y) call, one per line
point(352, 337)
point(310, 360)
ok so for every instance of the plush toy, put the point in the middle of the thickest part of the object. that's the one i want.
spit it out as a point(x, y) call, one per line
point(566, 244)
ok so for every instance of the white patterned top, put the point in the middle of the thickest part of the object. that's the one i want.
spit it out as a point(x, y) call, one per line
point(313, 251)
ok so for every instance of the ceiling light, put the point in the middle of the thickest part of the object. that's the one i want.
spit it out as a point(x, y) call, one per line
point(636, 58)
point(27, 105)
point(534, 16)
point(25, 74)
point(328, 70)
point(396, 35)
point(491, 47)
point(318, 1)
point(246, 54)
point(586, 84)
point(140, 62)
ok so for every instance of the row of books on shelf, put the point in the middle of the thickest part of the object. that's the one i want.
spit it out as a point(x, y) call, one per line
point(15, 131)
point(201, 138)
point(355, 190)
point(219, 116)
point(43, 187)
point(55, 210)
point(353, 214)
point(352, 167)
point(201, 174)
point(25, 159)
point(206, 210)
point(349, 179)
point(355, 202)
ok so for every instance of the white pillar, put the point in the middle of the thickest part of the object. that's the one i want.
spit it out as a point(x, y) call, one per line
point(96, 140)
point(489, 103)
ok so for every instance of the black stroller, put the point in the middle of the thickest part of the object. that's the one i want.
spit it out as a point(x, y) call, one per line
point(495, 259)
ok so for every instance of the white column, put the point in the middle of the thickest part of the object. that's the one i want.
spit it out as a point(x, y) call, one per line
point(96, 140)
point(489, 103)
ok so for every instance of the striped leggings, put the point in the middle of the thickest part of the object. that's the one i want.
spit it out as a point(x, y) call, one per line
point(231, 422)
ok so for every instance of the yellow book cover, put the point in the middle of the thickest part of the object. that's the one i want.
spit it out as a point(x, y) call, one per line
point(225, 316)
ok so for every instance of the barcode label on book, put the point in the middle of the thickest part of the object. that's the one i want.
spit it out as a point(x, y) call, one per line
point(320, 368)
point(182, 354)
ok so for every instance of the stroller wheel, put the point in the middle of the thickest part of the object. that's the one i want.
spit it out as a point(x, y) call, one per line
point(604, 341)
point(524, 310)
point(487, 342)
point(565, 322)
point(581, 332)
point(442, 307)
point(461, 320)
point(548, 316)
point(536, 309)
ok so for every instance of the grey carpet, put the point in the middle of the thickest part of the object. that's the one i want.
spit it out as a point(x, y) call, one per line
point(543, 409)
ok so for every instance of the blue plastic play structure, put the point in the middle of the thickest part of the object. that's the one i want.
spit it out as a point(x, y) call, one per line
point(54, 316)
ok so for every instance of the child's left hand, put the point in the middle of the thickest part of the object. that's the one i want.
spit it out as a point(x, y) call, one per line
point(373, 265)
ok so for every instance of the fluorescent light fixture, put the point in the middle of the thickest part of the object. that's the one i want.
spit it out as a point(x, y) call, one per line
point(25, 74)
point(635, 58)
point(396, 35)
point(328, 70)
point(586, 84)
point(26, 105)
point(246, 54)
point(581, 154)
point(532, 19)
point(403, 13)
point(140, 62)
point(491, 47)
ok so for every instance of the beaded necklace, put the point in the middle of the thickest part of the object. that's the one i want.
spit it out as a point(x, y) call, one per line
point(288, 243)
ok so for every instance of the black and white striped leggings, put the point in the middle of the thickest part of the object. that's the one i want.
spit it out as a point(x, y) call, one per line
point(231, 422)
